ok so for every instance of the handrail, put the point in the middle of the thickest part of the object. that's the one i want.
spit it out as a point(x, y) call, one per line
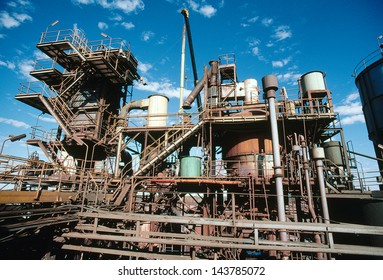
point(367, 61)
point(160, 143)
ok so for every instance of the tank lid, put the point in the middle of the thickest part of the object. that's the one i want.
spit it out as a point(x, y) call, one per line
point(315, 71)
point(157, 94)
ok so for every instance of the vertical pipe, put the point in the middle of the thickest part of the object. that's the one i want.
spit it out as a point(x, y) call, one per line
point(270, 85)
point(212, 92)
point(346, 160)
point(318, 155)
point(182, 76)
point(308, 188)
point(118, 153)
point(307, 177)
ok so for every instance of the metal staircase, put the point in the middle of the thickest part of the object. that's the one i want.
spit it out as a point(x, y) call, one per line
point(74, 61)
point(157, 152)
point(46, 99)
point(73, 83)
point(167, 150)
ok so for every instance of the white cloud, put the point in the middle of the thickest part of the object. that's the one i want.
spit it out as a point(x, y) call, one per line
point(254, 42)
point(22, 17)
point(14, 123)
point(351, 110)
point(281, 63)
point(7, 21)
point(162, 40)
point(253, 19)
point(282, 32)
point(205, 10)
point(84, 2)
point(13, 20)
point(8, 64)
point(102, 25)
point(48, 119)
point(290, 78)
point(352, 97)
point(147, 35)
point(128, 25)
point(144, 67)
point(255, 51)
point(126, 6)
point(164, 87)
point(39, 55)
point(353, 119)
point(267, 21)
point(116, 18)
point(24, 67)
point(15, 4)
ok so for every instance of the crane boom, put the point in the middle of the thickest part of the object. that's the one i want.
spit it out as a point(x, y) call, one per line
point(185, 13)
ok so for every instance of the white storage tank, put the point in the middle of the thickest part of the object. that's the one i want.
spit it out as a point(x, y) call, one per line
point(157, 110)
point(313, 81)
point(251, 91)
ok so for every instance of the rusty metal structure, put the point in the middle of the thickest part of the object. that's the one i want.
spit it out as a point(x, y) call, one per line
point(245, 176)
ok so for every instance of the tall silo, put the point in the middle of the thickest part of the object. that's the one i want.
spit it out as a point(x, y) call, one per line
point(369, 80)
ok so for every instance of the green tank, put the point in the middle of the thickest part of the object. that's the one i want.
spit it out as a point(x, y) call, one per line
point(190, 166)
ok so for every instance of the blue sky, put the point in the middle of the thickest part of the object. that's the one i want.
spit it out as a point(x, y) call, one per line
point(285, 38)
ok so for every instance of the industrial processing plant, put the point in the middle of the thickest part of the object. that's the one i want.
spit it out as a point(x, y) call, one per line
point(243, 169)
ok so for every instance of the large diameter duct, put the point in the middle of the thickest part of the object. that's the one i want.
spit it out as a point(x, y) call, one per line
point(270, 85)
point(140, 104)
point(198, 88)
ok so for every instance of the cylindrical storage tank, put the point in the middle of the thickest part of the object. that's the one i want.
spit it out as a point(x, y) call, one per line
point(370, 85)
point(190, 166)
point(313, 81)
point(333, 152)
point(248, 154)
point(251, 91)
point(157, 110)
point(243, 165)
point(245, 144)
